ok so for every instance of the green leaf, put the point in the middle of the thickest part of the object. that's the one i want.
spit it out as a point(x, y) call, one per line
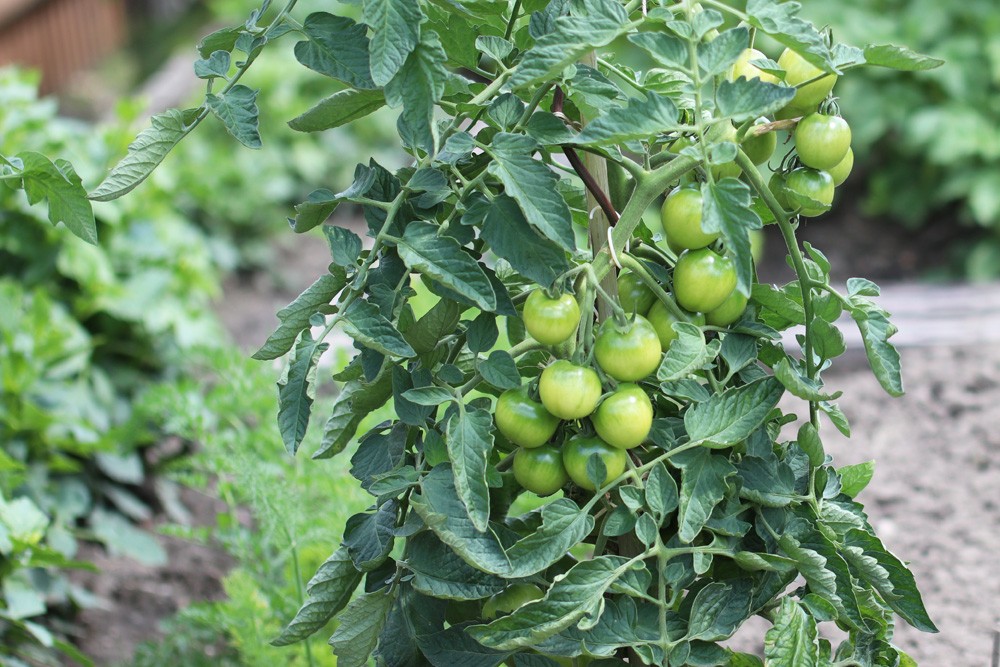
point(826, 572)
point(379, 453)
point(59, 185)
point(338, 109)
point(237, 109)
point(703, 486)
point(511, 237)
point(642, 118)
point(780, 303)
point(364, 322)
point(729, 417)
point(436, 323)
point(356, 401)
point(223, 39)
point(661, 492)
point(577, 596)
point(320, 204)
point(597, 23)
point(667, 50)
point(854, 478)
point(216, 65)
point(899, 58)
point(497, 48)
point(720, 54)
point(469, 437)
point(429, 395)
point(686, 354)
point(500, 370)
point(828, 341)
point(336, 47)
point(780, 20)
point(345, 245)
point(295, 316)
point(369, 536)
point(564, 526)
point(792, 640)
point(811, 443)
point(802, 387)
point(439, 572)
point(533, 186)
point(329, 591)
point(719, 609)
point(359, 627)
point(442, 258)
point(767, 483)
point(145, 153)
point(726, 210)
point(297, 389)
point(418, 86)
point(743, 100)
point(889, 576)
point(395, 34)
point(876, 329)
point(862, 287)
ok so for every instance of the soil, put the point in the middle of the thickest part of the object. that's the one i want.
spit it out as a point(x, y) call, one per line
point(935, 499)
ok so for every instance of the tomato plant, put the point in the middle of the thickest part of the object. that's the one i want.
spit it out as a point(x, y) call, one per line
point(652, 555)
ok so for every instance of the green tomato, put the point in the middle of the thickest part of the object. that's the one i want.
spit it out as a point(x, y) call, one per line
point(569, 391)
point(577, 453)
point(822, 141)
point(551, 321)
point(624, 418)
point(703, 280)
point(628, 354)
point(759, 148)
point(509, 599)
point(523, 421)
point(842, 170)
point(633, 294)
point(743, 67)
point(730, 311)
point(681, 219)
point(798, 70)
point(663, 322)
point(716, 134)
point(540, 470)
point(812, 184)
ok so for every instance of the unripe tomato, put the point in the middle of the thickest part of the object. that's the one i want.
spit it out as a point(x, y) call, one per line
point(577, 453)
point(730, 310)
point(629, 354)
point(759, 148)
point(551, 321)
point(523, 421)
point(743, 67)
point(703, 280)
point(663, 321)
point(540, 470)
point(798, 69)
point(569, 391)
point(509, 599)
point(812, 183)
point(624, 418)
point(681, 219)
point(723, 132)
point(843, 169)
point(822, 141)
point(633, 294)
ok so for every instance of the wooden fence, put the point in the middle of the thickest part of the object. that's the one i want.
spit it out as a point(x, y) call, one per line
point(59, 37)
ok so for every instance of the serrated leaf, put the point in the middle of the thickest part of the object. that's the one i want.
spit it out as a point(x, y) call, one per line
point(145, 153)
point(214, 66)
point(533, 186)
point(642, 118)
point(876, 329)
point(837, 417)
point(720, 54)
point(727, 418)
point(320, 204)
point(436, 323)
point(703, 486)
point(59, 185)
point(800, 386)
point(854, 478)
point(418, 86)
point(237, 109)
point(439, 572)
point(899, 58)
point(329, 591)
point(336, 47)
point(295, 316)
point(338, 109)
point(297, 389)
point(469, 437)
point(778, 301)
point(719, 609)
point(743, 100)
point(359, 627)
point(597, 23)
point(862, 287)
point(364, 322)
point(791, 642)
point(667, 50)
point(378, 454)
point(500, 370)
point(576, 596)
point(345, 245)
point(780, 20)
point(395, 28)
point(441, 258)
point(686, 354)
point(726, 210)
point(497, 48)
point(826, 572)
point(429, 395)
point(766, 483)
point(356, 401)
point(510, 237)
point(661, 492)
